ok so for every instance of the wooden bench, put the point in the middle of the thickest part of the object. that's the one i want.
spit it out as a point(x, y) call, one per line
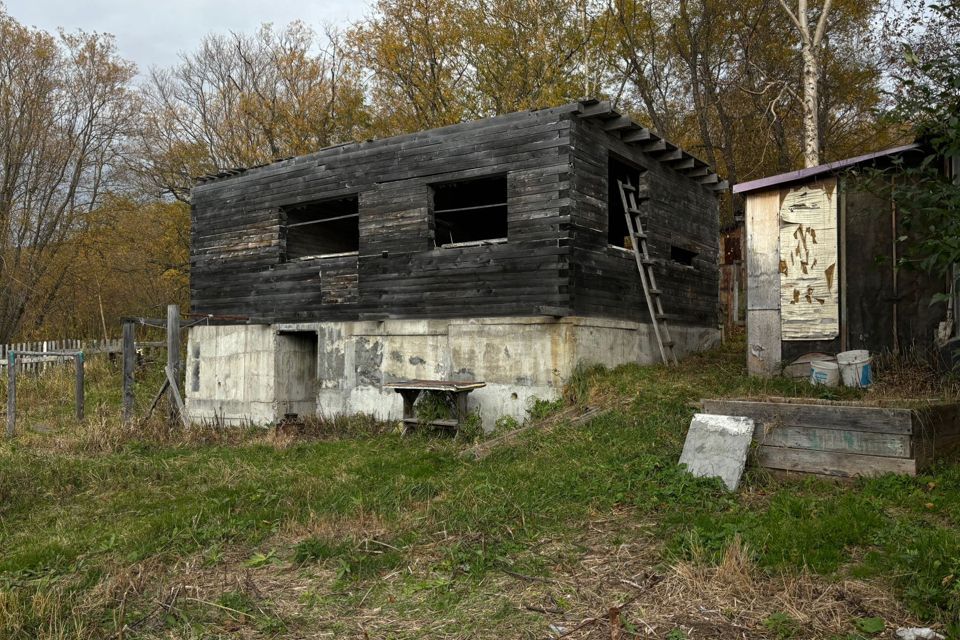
point(455, 393)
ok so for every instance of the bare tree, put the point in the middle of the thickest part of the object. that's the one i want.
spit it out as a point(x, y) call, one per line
point(242, 100)
point(810, 42)
point(65, 105)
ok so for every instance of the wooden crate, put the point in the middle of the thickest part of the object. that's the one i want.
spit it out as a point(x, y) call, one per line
point(844, 438)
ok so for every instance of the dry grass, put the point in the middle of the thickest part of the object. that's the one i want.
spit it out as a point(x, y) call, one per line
point(442, 549)
point(608, 583)
point(914, 372)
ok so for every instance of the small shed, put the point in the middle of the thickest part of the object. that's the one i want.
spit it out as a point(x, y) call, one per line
point(822, 276)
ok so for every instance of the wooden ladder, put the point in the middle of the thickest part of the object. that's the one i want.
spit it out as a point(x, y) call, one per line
point(629, 194)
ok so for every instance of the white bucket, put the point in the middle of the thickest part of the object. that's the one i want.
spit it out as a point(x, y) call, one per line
point(855, 368)
point(824, 372)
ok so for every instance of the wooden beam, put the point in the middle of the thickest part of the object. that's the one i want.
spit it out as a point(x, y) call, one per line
point(711, 178)
point(723, 185)
point(129, 365)
point(11, 393)
point(79, 399)
point(685, 162)
point(619, 123)
point(697, 171)
point(177, 404)
point(556, 312)
point(637, 135)
point(601, 108)
point(654, 147)
point(670, 154)
point(173, 353)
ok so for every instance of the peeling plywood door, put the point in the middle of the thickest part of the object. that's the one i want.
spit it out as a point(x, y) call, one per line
point(763, 283)
point(809, 275)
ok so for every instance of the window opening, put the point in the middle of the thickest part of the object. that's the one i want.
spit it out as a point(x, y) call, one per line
point(470, 211)
point(618, 171)
point(324, 228)
point(682, 256)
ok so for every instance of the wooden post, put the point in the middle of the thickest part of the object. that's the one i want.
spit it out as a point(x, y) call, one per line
point(129, 364)
point(173, 356)
point(80, 396)
point(11, 392)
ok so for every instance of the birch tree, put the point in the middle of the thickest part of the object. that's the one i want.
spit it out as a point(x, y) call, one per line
point(810, 41)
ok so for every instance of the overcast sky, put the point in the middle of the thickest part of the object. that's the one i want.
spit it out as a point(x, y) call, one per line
point(153, 32)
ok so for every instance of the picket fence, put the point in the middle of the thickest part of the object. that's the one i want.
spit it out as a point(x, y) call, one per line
point(38, 363)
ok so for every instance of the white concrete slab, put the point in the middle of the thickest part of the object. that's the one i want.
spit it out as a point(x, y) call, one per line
point(717, 446)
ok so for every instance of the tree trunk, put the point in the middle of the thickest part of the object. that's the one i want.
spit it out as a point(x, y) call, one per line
point(811, 124)
point(809, 47)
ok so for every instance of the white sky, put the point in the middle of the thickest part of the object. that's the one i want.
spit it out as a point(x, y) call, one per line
point(154, 32)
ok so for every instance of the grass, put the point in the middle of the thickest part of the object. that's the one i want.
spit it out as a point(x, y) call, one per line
point(152, 532)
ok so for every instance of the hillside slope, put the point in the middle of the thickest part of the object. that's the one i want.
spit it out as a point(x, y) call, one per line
point(350, 531)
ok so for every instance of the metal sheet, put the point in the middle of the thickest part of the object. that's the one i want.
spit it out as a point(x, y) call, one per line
point(809, 287)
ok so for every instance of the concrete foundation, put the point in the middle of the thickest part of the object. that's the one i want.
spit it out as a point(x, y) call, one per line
point(258, 373)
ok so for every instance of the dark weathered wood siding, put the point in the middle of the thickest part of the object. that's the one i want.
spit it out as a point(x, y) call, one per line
point(681, 212)
point(555, 166)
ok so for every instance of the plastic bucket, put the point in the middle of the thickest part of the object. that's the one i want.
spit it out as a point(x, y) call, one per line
point(824, 372)
point(855, 368)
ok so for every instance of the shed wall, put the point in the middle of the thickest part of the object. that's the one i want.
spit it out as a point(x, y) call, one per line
point(875, 312)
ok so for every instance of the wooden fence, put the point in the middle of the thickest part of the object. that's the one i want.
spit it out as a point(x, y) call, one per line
point(37, 363)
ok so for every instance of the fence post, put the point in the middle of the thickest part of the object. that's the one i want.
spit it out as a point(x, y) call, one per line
point(129, 364)
point(11, 392)
point(80, 395)
point(173, 354)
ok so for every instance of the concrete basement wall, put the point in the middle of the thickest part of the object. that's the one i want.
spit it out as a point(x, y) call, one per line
point(257, 374)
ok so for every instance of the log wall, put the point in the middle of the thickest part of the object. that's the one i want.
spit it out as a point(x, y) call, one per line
point(555, 262)
point(681, 213)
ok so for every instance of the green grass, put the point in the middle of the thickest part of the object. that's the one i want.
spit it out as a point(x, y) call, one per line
point(73, 518)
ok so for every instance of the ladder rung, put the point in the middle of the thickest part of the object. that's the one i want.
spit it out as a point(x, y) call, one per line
point(647, 262)
point(638, 234)
point(627, 187)
point(655, 292)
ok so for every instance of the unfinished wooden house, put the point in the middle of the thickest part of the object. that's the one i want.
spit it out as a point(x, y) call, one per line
point(822, 267)
point(495, 250)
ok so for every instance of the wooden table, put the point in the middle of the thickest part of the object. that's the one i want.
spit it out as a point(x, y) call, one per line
point(455, 392)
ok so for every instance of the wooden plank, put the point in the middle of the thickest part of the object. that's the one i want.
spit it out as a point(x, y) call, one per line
point(820, 416)
point(763, 250)
point(832, 463)
point(11, 393)
point(637, 135)
point(79, 388)
point(175, 394)
point(440, 422)
point(763, 283)
point(434, 385)
point(847, 441)
point(173, 356)
point(764, 348)
point(129, 366)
